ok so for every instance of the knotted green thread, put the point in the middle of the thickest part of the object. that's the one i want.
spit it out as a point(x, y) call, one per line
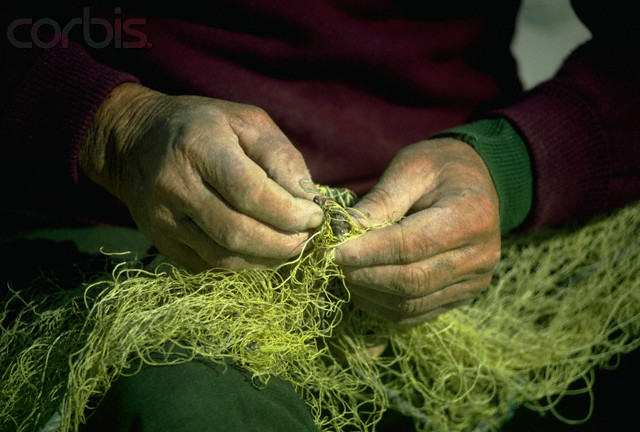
point(561, 303)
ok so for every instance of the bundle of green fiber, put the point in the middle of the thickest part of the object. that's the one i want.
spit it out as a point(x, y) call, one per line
point(561, 303)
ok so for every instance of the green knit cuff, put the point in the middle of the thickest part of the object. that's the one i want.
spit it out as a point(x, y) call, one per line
point(507, 158)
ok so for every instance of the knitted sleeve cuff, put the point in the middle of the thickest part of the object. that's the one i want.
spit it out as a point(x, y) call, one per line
point(507, 158)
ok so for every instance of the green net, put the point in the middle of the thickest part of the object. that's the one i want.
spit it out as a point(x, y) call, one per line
point(561, 302)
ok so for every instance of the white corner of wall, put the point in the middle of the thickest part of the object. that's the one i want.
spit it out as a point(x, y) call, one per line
point(546, 32)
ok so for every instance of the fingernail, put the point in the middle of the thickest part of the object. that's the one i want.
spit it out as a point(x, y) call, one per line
point(336, 256)
point(355, 214)
point(316, 218)
point(319, 199)
point(308, 186)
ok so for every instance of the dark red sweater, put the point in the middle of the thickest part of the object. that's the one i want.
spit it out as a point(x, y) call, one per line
point(350, 82)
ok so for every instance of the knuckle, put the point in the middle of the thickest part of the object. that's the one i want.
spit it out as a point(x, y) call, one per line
point(289, 153)
point(472, 288)
point(281, 160)
point(380, 202)
point(490, 258)
point(250, 195)
point(257, 115)
point(412, 280)
point(192, 120)
point(408, 154)
point(404, 250)
point(233, 239)
point(407, 307)
point(247, 119)
point(484, 283)
point(244, 189)
point(494, 257)
point(257, 111)
point(413, 246)
point(408, 311)
point(486, 217)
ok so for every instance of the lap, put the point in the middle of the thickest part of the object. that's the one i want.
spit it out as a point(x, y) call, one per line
point(198, 396)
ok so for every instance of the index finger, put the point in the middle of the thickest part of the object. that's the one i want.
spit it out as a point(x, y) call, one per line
point(248, 189)
point(444, 226)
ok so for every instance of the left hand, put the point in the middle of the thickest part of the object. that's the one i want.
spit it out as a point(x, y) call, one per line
point(443, 252)
point(211, 183)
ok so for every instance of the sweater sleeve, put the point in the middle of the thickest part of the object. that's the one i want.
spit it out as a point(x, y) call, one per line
point(48, 98)
point(581, 126)
point(579, 131)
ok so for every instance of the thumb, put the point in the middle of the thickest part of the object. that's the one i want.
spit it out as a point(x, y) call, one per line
point(402, 184)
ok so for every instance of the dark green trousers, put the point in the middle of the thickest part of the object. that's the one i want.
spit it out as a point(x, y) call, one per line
point(198, 396)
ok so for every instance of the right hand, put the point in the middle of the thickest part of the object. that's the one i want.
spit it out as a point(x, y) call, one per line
point(443, 252)
point(211, 183)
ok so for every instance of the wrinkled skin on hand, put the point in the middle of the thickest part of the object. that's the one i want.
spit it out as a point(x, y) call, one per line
point(443, 252)
point(211, 183)
point(216, 184)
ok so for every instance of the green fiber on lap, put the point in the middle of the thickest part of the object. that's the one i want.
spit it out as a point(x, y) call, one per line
point(562, 302)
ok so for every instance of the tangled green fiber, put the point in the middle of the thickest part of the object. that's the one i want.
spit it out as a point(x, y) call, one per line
point(561, 303)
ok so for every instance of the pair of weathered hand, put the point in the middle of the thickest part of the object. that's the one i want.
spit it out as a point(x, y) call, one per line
point(216, 183)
